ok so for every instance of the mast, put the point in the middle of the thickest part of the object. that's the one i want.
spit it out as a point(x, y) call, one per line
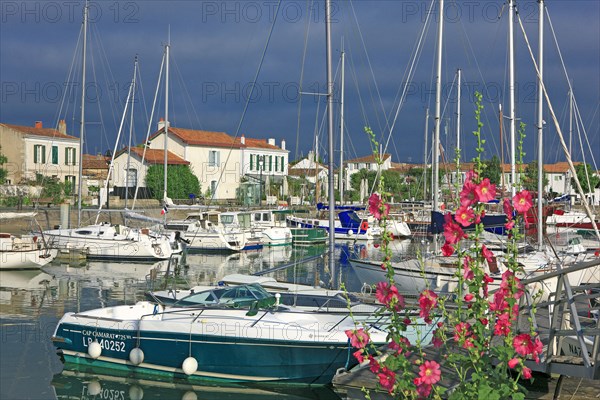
point(438, 96)
point(511, 89)
point(135, 66)
point(167, 46)
point(458, 73)
point(540, 123)
point(330, 140)
point(425, 151)
point(341, 178)
point(82, 118)
point(501, 119)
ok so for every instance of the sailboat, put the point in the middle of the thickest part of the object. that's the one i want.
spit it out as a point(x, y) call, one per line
point(104, 240)
point(24, 251)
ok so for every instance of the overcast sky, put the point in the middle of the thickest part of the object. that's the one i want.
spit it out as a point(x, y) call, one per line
point(216, 49)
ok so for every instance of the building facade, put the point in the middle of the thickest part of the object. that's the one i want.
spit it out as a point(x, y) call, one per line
point(33, 150)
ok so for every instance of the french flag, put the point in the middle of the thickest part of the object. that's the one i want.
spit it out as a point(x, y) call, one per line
point(164, 210)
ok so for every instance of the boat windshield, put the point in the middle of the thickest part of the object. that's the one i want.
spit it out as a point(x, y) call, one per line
point(236, 296)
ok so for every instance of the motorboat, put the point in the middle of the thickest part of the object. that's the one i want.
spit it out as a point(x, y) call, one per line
point(235, 334)
point(24, 252)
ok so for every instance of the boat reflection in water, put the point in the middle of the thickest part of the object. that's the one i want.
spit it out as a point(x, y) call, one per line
point(76, 382)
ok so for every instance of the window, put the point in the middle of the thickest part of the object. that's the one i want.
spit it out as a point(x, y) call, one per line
point(131, 178)
point(39, 154)
point(70, 157)
point(282, 166)
point(213, 158)
point(213, 188)
point(251, 161)
point(270, 163)
point(356, 166)
point(276, 163)
point(54, 155)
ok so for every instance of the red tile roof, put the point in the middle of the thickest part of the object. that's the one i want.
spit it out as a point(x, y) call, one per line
point(259, 143)
point(91, 161)
point(203, 138)
point(368, 159)
point(46, 132)
point(559, 167)
point(155, 156)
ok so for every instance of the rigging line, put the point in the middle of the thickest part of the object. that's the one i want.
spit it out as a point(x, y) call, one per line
point(109, 77)
point(411, 72)
point(141, 92)
point(480, 73)
point(189, 105)
point(68, 86)
point(258, 69)
point(558, 130)
point(186, 92)
point(374, 80)
point(562, 62)
point(162, 64)
point(306, 31)
point(580, 123)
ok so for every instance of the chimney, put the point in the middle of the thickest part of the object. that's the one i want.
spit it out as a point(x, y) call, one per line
point(271, 141)
point(38, 125)
point(62, 126)
point(243, 139)
point(161, 124)
point(283, 144)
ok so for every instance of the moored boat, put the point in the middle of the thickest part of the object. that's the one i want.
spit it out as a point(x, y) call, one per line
point(25, 252)
point(236, 334)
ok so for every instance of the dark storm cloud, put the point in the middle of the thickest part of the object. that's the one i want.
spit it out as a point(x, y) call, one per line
point(217, 45)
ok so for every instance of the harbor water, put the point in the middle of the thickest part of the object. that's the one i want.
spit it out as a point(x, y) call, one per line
point(32, 302)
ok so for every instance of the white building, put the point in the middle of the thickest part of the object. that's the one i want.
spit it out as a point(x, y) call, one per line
point(220, 161)
point(32, 150)
point(367, 162)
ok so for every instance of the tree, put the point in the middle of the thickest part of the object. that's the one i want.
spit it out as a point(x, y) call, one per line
point(357, 177)
point(181, 182)
point(3, 172)
point(584, 171)
point(530, 179)
point(492, 170)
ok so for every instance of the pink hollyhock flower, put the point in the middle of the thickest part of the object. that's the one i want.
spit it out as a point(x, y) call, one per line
point(484, 321)
point(502, 326)
point(509, 225)
point(522, 344)
point(526, 373)
point(358, 338)
point(386, 294)
point(376, 205)
point(486, 191)
point(423, 390)
point(513, 362)
point(358, 354)
point(537, 348)
point(437, 342)
point(387, 379)
point(508, 210)
point(467, 272)
point(430, 373)
point(499, 302)
point(374, 364)
point(447, 249)
point(487, 254)
point(407, 321)
point(471, 175)
point(453, 233)
point(462, 330)
point(427, 301)
point(468, 297)
point(464, 216)
point(522, 201)
point(467, 195)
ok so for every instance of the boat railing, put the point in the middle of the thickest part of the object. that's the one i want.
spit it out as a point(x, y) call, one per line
point(559, 318)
